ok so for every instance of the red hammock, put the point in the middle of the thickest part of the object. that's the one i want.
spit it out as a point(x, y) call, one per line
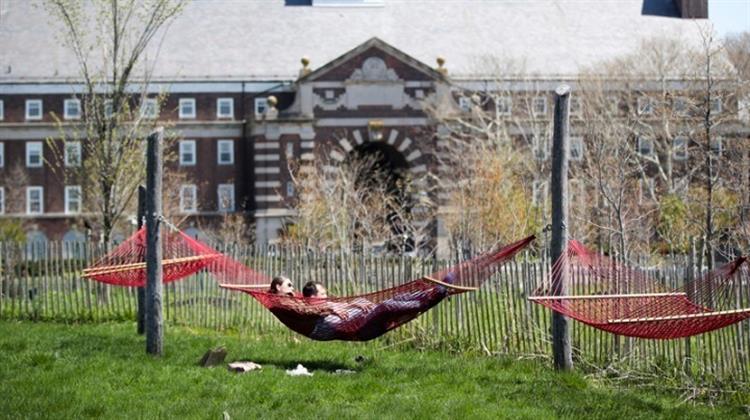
point(181, 257)
point(615, 298)
point(368, 316)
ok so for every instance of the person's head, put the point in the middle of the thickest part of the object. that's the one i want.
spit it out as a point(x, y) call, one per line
point(314, 289)
point(282, 286)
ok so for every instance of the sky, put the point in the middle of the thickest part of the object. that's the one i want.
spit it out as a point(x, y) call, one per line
point(729, 16)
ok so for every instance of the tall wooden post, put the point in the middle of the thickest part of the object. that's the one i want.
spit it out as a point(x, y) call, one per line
point(154, 285)
point(559, 189)
point(141, 328)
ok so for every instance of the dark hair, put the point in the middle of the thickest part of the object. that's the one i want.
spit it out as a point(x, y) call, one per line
point(275, 283)
point(310, 289)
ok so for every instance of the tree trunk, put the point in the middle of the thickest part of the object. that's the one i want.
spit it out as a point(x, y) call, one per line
point(154, 285)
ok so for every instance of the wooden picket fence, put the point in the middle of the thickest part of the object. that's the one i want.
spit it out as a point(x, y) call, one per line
point(43, 282)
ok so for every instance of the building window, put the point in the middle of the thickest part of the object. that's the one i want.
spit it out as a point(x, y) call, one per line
point(503, 106)
point(290, 189)
point(464, 103)
point(2, 200)
point(34, 154)
point(645, 146)
point(645, 187)
point(614, 105)
point(717, 146)
point(225, 152)
point(2, 110)
point(681, 185)
point(72, 199)
point(540, 147)
point(539, 106)
point(72, 109)
point(187, 108)
point(645, 106)
point(419, 94)
point(538, 192)
point(187, 152)
point(575, 107)
point(149, 108)
point(680, 148)
point(72, 154)
point(225, 108)
point(108, 108)
point(716, 106)
point(680, 106)
point(2, 155)
point(188, 198)
point(33, 109)
point(289, 150)
point(261, 106)
point(226, 197)
point(576, 148)
point(34, 200)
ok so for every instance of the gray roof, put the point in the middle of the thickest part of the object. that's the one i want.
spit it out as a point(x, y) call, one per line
point(264, 39)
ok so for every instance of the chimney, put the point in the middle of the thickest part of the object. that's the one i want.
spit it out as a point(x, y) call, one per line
point(693, 9)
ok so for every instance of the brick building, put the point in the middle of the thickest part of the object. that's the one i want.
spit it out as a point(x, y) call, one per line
point(219, 62)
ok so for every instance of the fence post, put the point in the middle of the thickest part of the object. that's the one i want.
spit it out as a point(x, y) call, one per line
point(141, 313)
point(154, 286)
point(559, 189)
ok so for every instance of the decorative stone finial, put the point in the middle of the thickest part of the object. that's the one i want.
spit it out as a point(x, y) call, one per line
point(271, 112)
point(441, 62)
point(305, 70)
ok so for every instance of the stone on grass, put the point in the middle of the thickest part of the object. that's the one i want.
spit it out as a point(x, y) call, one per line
point(242, 367)
point(213, 357)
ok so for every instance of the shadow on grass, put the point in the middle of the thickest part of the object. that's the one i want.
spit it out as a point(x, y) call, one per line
point(310, 364)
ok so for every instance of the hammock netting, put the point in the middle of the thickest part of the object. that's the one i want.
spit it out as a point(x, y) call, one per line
point(613, 297)
point(352, 318)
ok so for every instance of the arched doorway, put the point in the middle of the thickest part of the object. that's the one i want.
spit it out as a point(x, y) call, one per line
point(388, 168)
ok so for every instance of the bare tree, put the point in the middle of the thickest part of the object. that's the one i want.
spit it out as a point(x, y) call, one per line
point(354, 205)
point(109, 40)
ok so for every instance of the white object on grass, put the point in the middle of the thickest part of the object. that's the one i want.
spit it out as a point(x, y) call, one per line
point(299, 371)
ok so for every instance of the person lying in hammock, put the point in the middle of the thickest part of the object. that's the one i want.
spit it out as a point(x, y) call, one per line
point(369, 319)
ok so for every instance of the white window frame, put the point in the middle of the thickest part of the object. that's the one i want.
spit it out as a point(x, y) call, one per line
point(109, 108)
point(650, 183)
point(290, 189)
point(67, 157)
point(29, 191)
point(2, 154)
point(639, 144)
point(717, 106)
point(69, 199)
point(229, 188)
point(719, 141)
point(150, 104)
point(194, 197)
point(576, 107)
point(464, 103)
point(680, 152)
point(2, 200)
point(681, 106)
point(30, 102)
point(504, 106)
point(289, 152)
point(230, 114)
point(259, 103)
point(34, 146)
point(66, 111)
point(185, 115)
point(646, 106)
point(188, 146)
point(540, 144)
point(576, 140)
point(614, 104)
point(219, 144)
point(539, 190)
point(2, 110)
point(534, 101)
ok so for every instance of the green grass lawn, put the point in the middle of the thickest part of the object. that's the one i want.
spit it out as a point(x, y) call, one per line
point(71, 371)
